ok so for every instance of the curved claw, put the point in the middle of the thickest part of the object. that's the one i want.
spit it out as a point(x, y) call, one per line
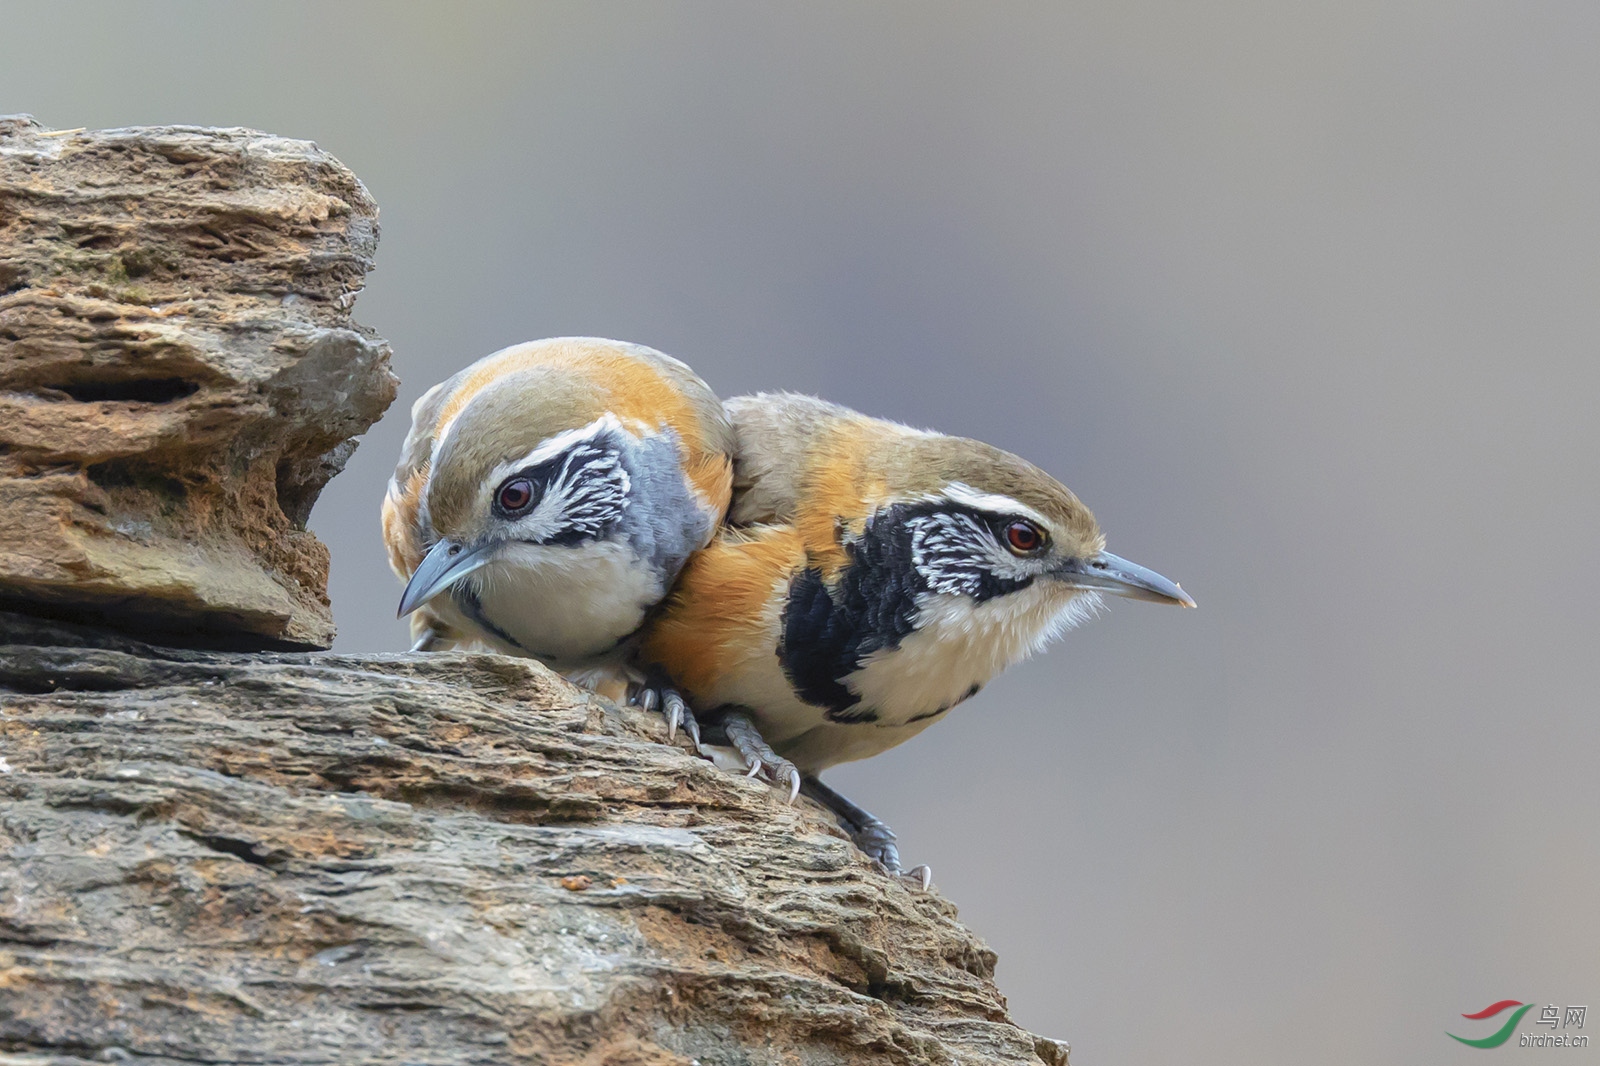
point(674, 708)
point(869, 833)
point(691, 725)
point(759, 757)
point(781, 773)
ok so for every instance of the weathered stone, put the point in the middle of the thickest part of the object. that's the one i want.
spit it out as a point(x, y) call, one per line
point(438, 859)
point(179, 376)
point(288, 858)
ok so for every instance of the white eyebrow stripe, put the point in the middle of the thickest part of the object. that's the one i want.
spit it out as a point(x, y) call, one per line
point(551, 447)
point(992, 502)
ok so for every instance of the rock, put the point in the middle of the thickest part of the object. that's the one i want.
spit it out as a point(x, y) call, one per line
point(441, 859)
point(208, 855)
point(179, 376)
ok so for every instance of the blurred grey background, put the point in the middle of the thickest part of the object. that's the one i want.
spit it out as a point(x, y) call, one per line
point(1303, 300)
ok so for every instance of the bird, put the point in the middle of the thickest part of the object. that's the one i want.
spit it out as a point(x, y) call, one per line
point(870, 578)
point(546, 498)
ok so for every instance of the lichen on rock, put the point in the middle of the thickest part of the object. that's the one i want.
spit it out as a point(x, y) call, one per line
point(179, 376)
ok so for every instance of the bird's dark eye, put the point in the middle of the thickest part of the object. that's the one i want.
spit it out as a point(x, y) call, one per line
point(1025, 538)
point(515, 495)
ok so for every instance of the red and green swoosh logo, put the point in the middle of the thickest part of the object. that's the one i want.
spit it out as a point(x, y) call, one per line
point(1505, 1031)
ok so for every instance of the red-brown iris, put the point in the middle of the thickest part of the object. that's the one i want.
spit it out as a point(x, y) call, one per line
point(1025, 538)
point(515, 495)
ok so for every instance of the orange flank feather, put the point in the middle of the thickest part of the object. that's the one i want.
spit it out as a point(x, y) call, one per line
point(726, 610)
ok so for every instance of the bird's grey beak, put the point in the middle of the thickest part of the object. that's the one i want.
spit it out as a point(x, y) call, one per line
point(1104, 572)
point(444, 565)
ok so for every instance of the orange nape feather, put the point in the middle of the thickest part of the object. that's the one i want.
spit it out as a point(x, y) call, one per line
point(838, 485)
point(629, 387)
point(401, 534)
point(726, 609)
point(711, 475)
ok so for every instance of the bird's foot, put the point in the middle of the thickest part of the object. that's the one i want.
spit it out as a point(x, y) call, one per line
point(657, 694)
point(870, 833)
point(877, 840)
point(431, 638)
point(759, 758)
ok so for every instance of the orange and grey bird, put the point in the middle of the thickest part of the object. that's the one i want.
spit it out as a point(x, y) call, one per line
point(547, 497)
point(872, 577)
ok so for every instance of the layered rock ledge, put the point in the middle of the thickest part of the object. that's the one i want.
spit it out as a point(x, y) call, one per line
point(441, 859)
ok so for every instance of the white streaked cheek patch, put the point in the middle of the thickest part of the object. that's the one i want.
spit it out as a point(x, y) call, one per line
point(955, 552)
point(590, 492)
point(580, 494)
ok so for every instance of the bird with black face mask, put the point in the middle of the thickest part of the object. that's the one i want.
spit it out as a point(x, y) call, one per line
point(872, 577)
point(547, 497)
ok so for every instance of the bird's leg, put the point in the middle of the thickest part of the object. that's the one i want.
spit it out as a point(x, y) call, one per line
point(868, 831)
point(655, 691)
point(758, 756)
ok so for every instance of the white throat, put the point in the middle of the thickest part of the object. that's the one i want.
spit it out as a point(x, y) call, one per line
point(565, 605)
point(958, 644)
